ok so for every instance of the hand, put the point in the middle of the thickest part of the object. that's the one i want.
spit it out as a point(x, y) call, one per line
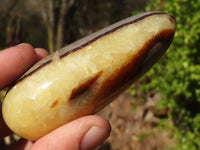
point(85, 133)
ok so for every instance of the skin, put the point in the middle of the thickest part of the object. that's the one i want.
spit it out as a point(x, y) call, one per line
point(77, 135)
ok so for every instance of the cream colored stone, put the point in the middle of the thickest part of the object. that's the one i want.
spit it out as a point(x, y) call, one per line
point(42, 102)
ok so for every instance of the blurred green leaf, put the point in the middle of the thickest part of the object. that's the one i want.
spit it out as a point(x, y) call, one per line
point(177, 75)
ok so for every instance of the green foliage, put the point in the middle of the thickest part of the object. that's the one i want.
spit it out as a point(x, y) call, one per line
point(144, 135)
point(177, 74)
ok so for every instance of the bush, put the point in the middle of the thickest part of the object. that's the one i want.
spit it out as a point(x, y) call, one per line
point(177, 75)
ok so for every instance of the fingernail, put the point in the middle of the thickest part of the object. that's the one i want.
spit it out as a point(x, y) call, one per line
point(94, 137)
point(21, 44)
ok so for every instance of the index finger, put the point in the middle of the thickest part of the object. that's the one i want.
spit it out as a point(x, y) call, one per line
point(14, 62)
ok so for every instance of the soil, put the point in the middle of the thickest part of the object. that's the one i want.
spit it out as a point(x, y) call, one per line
point(136, 129)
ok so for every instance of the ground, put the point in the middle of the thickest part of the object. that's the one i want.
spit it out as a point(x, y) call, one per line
point(135, 129)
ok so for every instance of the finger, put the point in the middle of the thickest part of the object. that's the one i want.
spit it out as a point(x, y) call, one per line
point(41, 53)
point(85, 133)
point(14, 62)
point(4, 130)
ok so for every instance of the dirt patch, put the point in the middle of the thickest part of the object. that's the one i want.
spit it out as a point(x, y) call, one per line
point(135, 129)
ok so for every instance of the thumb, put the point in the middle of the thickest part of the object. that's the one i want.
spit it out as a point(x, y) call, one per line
point(85, 133)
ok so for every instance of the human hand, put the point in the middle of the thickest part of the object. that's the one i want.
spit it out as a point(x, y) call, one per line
point(85, 133)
